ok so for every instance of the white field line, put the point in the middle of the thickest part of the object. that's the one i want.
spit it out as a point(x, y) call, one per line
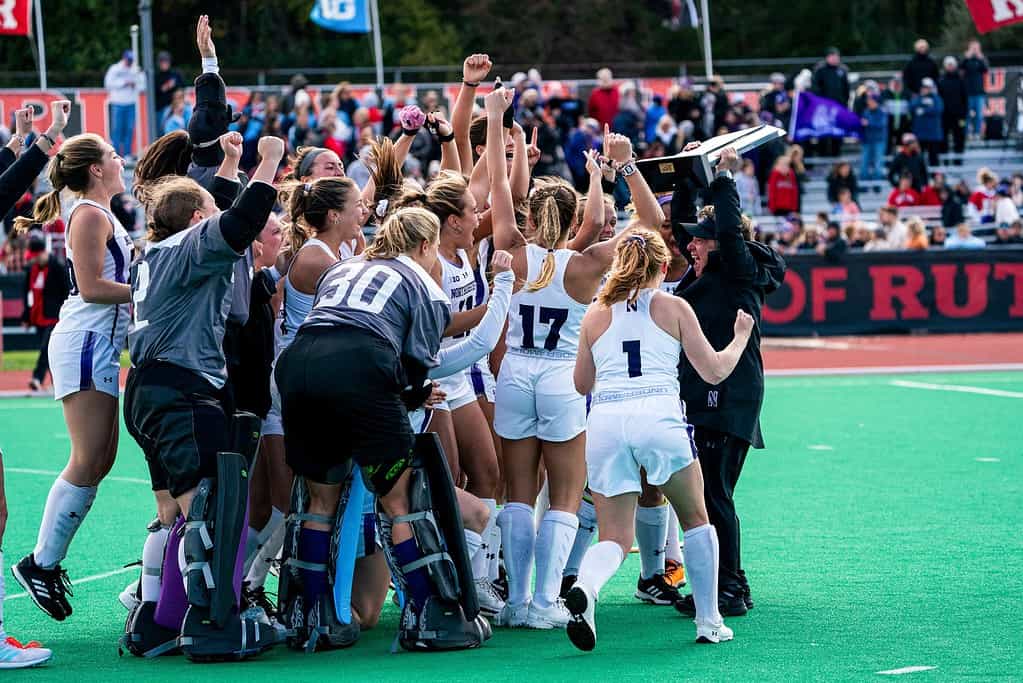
point(50, 473)
point(896, 369)
point(906, 670)
point(956, 388)
point(85, 579)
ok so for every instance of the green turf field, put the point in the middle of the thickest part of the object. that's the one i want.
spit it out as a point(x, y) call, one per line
point(881, 531)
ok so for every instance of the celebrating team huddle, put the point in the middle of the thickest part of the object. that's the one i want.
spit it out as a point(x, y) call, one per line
point(438, 402)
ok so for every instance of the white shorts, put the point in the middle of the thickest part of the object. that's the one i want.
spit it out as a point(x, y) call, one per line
point(273, 425)
point(536, 396)
point(482, 379)
point(83, 360)
point(624, 435)
point(459, 391)
point(419, 419)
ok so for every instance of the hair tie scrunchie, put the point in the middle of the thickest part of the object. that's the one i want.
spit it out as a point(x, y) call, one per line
point(381, 208)
point(639, 239)
point(412, 118)
point(60, 157)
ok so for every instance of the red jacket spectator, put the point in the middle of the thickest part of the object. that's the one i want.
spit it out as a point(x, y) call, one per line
point(782, 190)
point(904, 197)
point(929, 197)
point(603, 104)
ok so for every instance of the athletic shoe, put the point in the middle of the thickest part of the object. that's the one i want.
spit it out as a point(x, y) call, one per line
point(713, 633)
point(491, 603)
point(13, 642)
point(582, 629)
point(260, 607)
point(48, 588)
point(14, 657)
point(130, 596)
point(555, 616)
point(657, 591)
point(674, 573)
point(512, 616)
point(566, 585)
point(745, 590)
point(35, 385)
point(500, 585)
point(729, 604)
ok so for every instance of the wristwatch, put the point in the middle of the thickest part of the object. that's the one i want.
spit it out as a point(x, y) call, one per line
point(725, 173)
point(628, 168)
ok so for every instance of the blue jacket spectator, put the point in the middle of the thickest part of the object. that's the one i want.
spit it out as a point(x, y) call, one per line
point(582, 139)
point(653, 114)
point(927, 108)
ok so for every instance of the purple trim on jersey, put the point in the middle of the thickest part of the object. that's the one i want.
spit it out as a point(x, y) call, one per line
point(427, 416)
point(476, 376)
point(115, 253)
point(689, 430)
point(589, 401)
point(85, 364)
point(477, 276)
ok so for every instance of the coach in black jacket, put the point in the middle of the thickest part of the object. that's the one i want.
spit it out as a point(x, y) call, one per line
point(729, 272)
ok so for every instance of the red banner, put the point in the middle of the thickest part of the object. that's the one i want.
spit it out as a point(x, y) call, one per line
point(14, 17)
point(989, 15)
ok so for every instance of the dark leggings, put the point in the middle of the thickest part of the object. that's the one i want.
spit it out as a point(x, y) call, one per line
point(721, 457)
point(43, 362)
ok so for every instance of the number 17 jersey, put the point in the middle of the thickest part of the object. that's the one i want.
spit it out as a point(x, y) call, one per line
point(545, 323)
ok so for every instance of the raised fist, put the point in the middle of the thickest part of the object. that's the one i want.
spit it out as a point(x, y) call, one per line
point(476, 67)
point(232, 143)
point(270, 147)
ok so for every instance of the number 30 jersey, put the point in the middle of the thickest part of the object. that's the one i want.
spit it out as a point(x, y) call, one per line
point(634, 353)
point(545, 322)
point(393, 298)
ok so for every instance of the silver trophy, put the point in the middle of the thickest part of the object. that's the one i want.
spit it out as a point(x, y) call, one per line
point(664, 173)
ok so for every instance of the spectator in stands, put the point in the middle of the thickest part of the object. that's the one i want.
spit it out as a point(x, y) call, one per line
point(795, 155)
point(952, 89)
point(749, 188)
point(685, 106)
point(840, 178)
point(951, 206)
point(877, 241)
point(868, 88)
point(964, 239)
point(46, 286)
point(931, 192)
point(974, 68)
point(909, 160)
point(809, 240)
point(1016, 232)
point(167, 81)
point(904, 194)
point(1003, 237)
point(895, 102)
point(1017, 189)
point(715, 105)
point(603, 102)
point(583, 139)
point(938, 236)
point(920, 66)
point(297, 96)
point(917, 239)
point(894, 230)
point(123, 81)
point(177, 114)
point(875, 139)
point(629, 119)
point(856, 234)
point(982, 200)
point(834, 246)
point(831, 80)
point(652, 118)
point(846, 208)
point(1006, 212)
point(777, 101)
point(927, 108)
point(782, 188)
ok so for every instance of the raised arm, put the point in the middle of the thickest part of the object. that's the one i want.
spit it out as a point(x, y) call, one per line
point(479, 181)
point(520, 163)
point(738, 261)
point(506, 233)
point(20, 175)
point(593, 212)
point(619, 149)
point(445, 136)
point(401, 148)
point(243, 222)
point(712, 366)
point(474, 69)
point(225, 185)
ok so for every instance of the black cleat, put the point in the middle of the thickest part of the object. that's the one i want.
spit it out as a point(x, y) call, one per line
point(256, 599)
point(566, 585)
point(657, 591)
point(730, 604)
point(48, 588)
point(745, 590)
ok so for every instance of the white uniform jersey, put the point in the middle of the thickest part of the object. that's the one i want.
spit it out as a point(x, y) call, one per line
point(635, 356)
point(459, 283)
point(546, 322)
point(348, 249)
point(108, 320)
point(670, 286)
point(297, 304)
point(484, 253)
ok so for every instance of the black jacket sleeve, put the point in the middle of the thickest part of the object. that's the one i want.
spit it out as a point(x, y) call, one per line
point(224, 192)
point(735, 256)
point(19, 176)
point(6, 159)
point(263, 287)
point(25, 318)
point(241, 223)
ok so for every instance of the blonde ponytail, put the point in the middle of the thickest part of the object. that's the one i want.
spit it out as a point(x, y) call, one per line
point(638, 258)
point(402, 232)
point(552, 209)
point(68, 169)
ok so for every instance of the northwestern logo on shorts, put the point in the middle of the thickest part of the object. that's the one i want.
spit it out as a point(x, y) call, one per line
point(712, 399)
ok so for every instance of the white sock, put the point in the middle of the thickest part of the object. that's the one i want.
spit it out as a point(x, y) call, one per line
point(152, 563)
point(251, 548)
point(672, 546)
point(517, 538)
point(553, 543)
point(3, 595)
point(583, 537)
point(651, 527)
point(255, 540)
point(477, 555)
point(493, 541)
point(268, 551)
point(183, 565)
point(66, 507)
point(701, 551)
point(600, 564)
point(543, 503)
point(491, 538)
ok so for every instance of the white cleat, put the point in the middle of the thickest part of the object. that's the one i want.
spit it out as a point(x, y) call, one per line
point(491, 603)
point(582, 629)
point(713, 633)
point(512, 616)
point(129, 597)
point(12, 657)
point(555, 616)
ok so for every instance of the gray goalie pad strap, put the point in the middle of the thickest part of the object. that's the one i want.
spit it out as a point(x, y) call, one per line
point(231, 502)
point(197, 544)
point(430, 538)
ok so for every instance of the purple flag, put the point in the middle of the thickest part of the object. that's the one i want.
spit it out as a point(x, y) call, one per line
point(819, 117)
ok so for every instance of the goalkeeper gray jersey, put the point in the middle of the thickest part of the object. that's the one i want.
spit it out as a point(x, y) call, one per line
point(393, 298)
point(180, 301)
